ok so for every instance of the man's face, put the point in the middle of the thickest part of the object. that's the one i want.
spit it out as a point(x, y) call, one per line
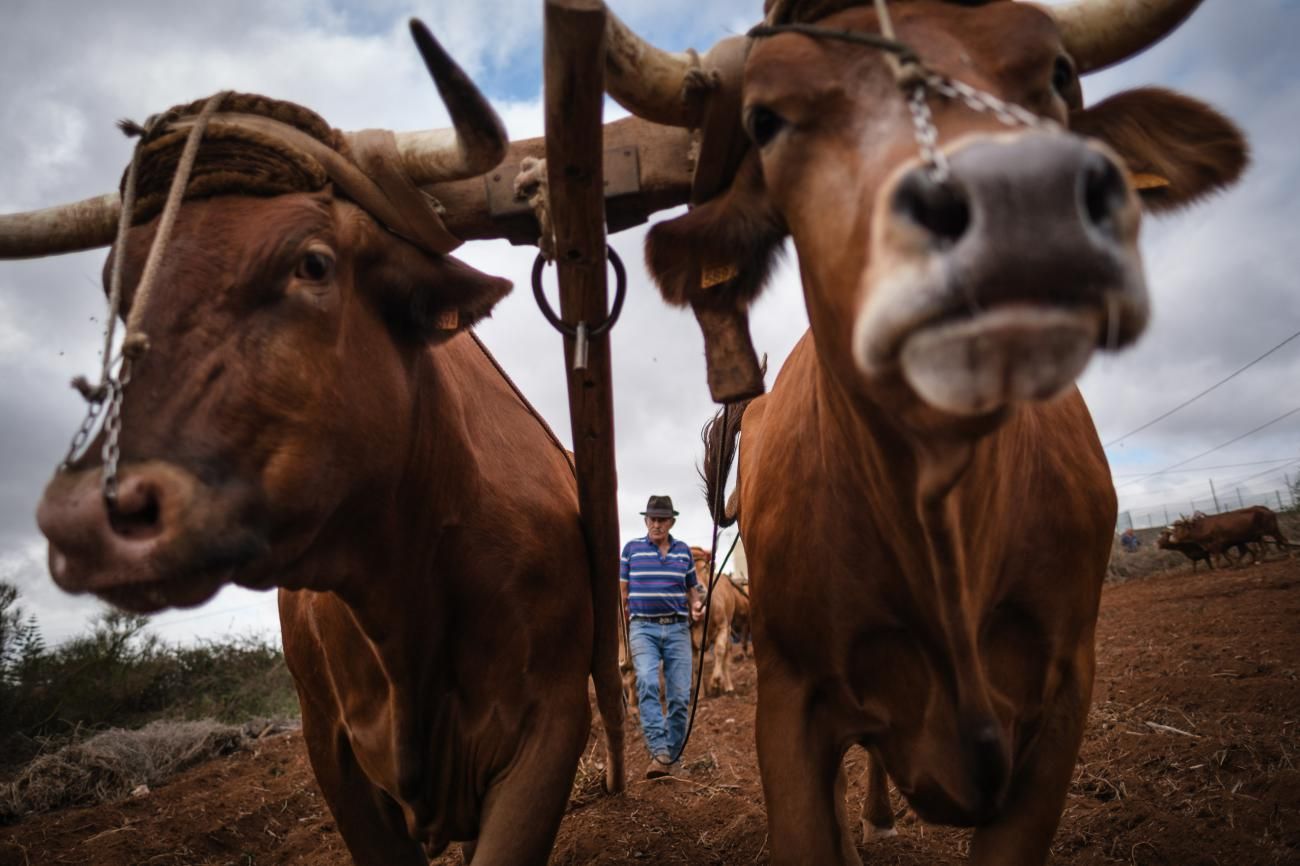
point(658, 528)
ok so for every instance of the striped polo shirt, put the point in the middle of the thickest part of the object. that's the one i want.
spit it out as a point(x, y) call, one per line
point(656, 584)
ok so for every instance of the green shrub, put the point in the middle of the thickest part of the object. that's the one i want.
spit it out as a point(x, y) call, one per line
point(119, 676)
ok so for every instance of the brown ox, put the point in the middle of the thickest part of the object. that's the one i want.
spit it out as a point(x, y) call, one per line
point(960, 530)
point(1217, 533)
point(311, 415)
point(728, 608)
point(1198, 554)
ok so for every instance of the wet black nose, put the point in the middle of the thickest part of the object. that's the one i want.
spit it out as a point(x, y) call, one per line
point(937, 205)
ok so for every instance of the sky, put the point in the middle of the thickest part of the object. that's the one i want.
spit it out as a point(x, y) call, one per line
point(1222, 275)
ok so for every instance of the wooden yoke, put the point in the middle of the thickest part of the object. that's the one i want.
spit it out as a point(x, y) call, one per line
point(574, 65)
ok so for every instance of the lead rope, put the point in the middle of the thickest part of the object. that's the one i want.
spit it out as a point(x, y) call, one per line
point(136, 341)
point(704, 625)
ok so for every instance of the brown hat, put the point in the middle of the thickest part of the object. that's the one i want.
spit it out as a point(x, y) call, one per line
point(659, 506)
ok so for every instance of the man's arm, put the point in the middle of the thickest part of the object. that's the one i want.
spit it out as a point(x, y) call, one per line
point(623, 583)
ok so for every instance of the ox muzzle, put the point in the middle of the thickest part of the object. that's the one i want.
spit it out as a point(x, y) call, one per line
point(167, 540)
point(995, 284)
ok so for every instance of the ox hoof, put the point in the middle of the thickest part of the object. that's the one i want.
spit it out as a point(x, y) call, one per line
point(872, 833)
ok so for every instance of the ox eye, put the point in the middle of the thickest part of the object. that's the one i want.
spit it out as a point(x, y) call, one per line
point(763, 124)
point(1062, 76)
point(315, 267)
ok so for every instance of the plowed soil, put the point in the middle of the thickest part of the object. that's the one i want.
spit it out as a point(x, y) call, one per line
point(1190, 759)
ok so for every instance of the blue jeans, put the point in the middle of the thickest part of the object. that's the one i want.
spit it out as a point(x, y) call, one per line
point(671, 644)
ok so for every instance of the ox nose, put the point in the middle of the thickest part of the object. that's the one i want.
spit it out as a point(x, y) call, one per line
point(95, 545)
point(1037, 188)
point(995, 283)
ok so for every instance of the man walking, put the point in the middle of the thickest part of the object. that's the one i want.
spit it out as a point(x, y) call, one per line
point(662, 598)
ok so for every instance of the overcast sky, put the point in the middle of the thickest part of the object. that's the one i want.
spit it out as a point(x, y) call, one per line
point(1222, 275)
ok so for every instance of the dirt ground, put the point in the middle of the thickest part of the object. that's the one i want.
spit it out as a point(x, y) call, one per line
point(1190, 759)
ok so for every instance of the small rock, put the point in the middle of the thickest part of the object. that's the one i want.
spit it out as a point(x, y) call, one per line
point(140, 791)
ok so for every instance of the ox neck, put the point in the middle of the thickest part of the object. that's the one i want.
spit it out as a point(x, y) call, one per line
point(915, 472)
point(429, 497)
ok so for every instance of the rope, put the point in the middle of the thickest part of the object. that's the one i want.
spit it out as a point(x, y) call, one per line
point(531, 185)
point(708, 607)
point(136, 341)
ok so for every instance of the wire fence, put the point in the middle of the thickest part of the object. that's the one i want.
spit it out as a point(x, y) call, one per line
point(1214, 502)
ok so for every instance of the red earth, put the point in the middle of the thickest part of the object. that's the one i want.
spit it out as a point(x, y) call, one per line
point(1190, 759)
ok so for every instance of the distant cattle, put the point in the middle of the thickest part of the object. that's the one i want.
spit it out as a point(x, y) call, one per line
point(1217, 533)
point(727, 608)
point(311, 411)
point(926, 507)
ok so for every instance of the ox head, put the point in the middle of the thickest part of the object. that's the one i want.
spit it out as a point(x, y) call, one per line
point(973, 291)
point(286, 335)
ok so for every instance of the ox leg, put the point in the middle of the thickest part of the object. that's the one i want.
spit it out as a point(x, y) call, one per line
point(801, 765)
point(369, 822)
point(523, 808)
point(722, 659)
point(720, 679)
point(877, 812)
point(1022, 834)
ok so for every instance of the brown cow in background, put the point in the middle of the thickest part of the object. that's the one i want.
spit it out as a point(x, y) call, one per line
point(1217, 533)
point(728, 607)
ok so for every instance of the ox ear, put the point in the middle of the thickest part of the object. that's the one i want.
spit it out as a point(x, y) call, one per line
point(431, 297)
point(1178, 149)
point(720, 253)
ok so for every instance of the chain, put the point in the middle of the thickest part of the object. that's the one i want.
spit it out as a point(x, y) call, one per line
point(82, 435)
point(927, 135)
point(1008, 113)
point(113, 430)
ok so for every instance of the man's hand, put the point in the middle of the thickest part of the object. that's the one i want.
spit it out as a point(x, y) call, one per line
point(697, 611)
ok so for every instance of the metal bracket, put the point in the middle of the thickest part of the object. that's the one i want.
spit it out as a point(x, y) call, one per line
point(622, 177)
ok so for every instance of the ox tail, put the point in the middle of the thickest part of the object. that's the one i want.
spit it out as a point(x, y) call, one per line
point(721, 437)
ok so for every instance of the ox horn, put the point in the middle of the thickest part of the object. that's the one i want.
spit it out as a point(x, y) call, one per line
point(67, 228)
point(649, 82)
point(1101, 33)
point(479, 141)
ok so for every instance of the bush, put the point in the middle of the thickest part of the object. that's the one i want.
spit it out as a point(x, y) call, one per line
point(118, 676)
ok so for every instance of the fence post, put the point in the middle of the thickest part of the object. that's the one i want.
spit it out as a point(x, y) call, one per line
point(1278, 493)
point(1217, 509)
point(1240, 502)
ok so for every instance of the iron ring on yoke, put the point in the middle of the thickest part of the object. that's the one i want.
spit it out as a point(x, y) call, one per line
point(620, 292)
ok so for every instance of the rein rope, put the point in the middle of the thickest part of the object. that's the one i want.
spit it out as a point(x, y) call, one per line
point(708, 608)
point(136, 342)
point(915, 81)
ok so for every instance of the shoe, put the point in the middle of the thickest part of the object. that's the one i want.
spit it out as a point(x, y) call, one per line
point(659, 767)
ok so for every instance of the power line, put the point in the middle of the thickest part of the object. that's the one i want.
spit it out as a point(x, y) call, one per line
point(1215, 448)
point(1189, 402)
point(1206, 468)
point(1168, 497)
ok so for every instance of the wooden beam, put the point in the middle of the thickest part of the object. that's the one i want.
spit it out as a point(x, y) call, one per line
point(574, 67)
point(665, 167)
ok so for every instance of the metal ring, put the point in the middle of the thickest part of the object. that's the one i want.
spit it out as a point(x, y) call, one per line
point(620, 292)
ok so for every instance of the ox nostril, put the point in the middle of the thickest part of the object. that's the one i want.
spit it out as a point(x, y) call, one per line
point(136, 513)
point(1102, 192)
point(991, 762)
point(940, 207)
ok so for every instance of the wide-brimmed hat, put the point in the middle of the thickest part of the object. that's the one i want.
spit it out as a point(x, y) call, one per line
point(659, 506)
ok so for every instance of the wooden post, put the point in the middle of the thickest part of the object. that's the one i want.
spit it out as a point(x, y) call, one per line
point(1217, 508)
point(574, 68)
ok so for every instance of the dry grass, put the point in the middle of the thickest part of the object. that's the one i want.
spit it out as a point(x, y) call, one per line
point(113, 764)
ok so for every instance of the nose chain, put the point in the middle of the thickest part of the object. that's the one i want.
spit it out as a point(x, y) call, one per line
point(916, 83)
point(111, 388)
